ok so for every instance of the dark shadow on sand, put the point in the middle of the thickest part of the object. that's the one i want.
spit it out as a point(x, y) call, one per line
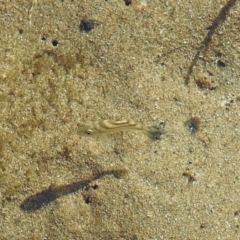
point(220, 19)
point(49, 195)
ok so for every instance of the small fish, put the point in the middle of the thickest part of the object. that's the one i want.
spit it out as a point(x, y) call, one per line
point(101, 127)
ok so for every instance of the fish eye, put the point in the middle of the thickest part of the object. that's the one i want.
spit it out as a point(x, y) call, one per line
point(88, 132)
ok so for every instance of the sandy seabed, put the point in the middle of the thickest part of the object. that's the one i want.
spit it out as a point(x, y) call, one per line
point(171, 64)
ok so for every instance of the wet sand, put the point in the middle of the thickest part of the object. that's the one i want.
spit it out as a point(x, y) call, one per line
point(162, 63)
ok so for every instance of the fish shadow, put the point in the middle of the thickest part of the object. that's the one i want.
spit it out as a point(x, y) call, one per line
point(43, 198)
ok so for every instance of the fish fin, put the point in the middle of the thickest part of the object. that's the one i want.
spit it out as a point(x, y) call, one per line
point(154, 133)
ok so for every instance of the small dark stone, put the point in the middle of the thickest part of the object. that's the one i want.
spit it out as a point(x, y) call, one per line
point(87, 200)
point(86, 25)
point(221, 64)
point(54, 43)
point(236, 213)
point(203, 225)
point(128, 2)
point(192, 124)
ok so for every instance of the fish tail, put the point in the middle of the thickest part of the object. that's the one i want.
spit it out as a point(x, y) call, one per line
point(154, 133)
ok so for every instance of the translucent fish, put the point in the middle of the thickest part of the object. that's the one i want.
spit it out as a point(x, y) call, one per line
point(102, 127)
